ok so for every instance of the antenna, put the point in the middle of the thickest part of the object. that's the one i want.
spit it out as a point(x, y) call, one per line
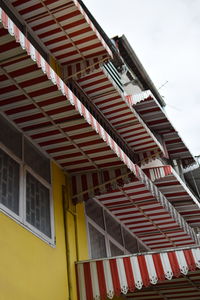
point(163, 84)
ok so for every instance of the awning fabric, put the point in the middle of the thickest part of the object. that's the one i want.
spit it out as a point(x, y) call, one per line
point(154, 116)
point(137, 203)
point(47, 111)
point(176, 192)
point(64, 28)
point(109, 277)
point(103, 90)
point(36, 99)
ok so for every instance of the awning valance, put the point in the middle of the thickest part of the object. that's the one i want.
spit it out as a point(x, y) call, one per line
point(109, 277)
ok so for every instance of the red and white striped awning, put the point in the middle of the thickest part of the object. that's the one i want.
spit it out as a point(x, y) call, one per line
point(131, 275)
point(147, 214)
point(35, 98)
point(176, 191)
point(45, 109)
point(107, 96)
point(65, 30)
point(154, 116)
point(137, 203)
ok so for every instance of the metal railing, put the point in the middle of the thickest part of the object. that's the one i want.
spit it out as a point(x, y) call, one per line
point(77, 90)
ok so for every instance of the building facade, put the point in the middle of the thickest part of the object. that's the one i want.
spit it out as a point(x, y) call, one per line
point(94, 203)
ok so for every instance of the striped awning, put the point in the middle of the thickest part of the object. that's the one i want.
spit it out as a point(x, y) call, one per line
point(154, 116)
point(35, 98)
point(40, 104)
point(170, 275)
point(103, 88)
point(64, 28)
point(176, 191)
point(137, 203)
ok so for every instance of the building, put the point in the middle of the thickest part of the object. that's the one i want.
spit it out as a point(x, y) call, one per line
point(93, 198)
point(191, 175)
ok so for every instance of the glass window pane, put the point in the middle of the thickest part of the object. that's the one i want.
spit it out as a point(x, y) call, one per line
point(142, 248)
point(9, 182)
point(37, 161)
point(131, 243)
point(95, 212)
point(115, 251)
point(10, 137)
point(97, 243)
point(113, 228)
point(38, 205)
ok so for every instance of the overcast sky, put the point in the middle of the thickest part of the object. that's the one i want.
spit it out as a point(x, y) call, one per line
point(165, 34)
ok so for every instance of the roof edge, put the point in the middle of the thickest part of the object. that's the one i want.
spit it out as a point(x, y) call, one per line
point(137, 67)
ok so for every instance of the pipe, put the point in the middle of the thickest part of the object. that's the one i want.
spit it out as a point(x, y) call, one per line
point(67, 244)
point(68, 209)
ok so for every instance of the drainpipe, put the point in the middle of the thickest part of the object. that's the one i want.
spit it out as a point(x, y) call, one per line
point(66, 243)
point(67, 209)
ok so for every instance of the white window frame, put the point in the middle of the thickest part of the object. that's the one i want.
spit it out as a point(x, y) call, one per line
point(98, 228)
point(21, 218)
point(107, 238)
point(2, 206)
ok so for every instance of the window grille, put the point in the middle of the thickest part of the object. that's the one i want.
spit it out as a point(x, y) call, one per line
point(36, 160)
point(131, 243)
point(9, 182)
point(115, 251)
point(38, 205)
point(113, 228)
point(113, 238)
point(97, 240)
point(95, 212)
point(10, 137)
point(24, 182)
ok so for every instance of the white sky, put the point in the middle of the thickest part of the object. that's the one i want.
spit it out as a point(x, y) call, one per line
point(165, 34)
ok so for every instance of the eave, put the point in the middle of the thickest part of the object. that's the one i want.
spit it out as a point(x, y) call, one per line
point(136, 66)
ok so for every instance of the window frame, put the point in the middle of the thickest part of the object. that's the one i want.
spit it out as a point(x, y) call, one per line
point(2, 206)
point(99, 229)
point(21, 218)
point(107, 236)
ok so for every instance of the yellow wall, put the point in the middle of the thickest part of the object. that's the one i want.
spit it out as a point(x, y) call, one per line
point(30, 269)
point(76, 238)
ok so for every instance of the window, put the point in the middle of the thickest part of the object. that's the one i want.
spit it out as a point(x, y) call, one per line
point(25, 189)
point(38, 205)
point(9, 182)
point(130, 244)
point(95, 212)
point(115, 251)
point(37, 161)
point(97, 239)
point(106, 236)
point(113, 228)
